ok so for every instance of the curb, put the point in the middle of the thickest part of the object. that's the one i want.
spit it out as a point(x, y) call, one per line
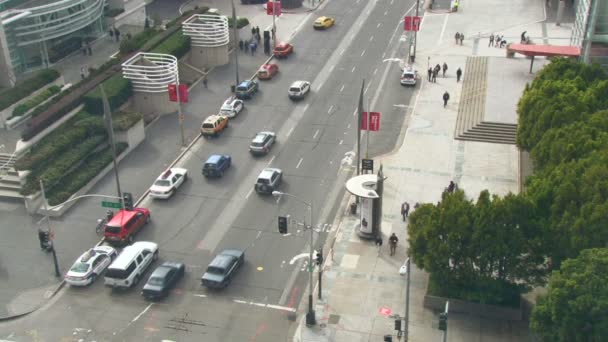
point(35, 308)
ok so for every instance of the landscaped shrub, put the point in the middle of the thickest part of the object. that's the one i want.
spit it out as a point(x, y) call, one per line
point(122, 121)
point(112, 12)
point(186, 15)
point(176, 44)
point(72, 133)
point(60, 166)
point(240, 22)
point(118, 90)
point(130, 45)
point(36, 100)
point(80, 176)
point(27, 87)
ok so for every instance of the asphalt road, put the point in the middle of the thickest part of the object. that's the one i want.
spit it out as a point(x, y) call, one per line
point(206, 216)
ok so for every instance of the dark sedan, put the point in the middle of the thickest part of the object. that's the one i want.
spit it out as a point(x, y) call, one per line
point(163, 279)
point(223, 267)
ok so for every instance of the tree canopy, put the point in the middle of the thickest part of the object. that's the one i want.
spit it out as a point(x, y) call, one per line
point(575, 307)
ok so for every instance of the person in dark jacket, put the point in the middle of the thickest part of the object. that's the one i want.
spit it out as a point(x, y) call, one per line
point(458, 75)
point(393, 240)
point(446, 97)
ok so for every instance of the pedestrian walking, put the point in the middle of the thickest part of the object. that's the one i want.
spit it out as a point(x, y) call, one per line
point(83, 72)
point(523, 37)
point(83, 47)
point(111, 33)
point(253, 31)
point(89, 50)
point(457, 37)
point(241, 44)
point(491, 40)
point(393, 240)
point(405, 210)
point(498, 40)
point(246, 46)
point(205, 81)
point(435, 72)
point(458, 75)
point(461, 38)
point(446, 97)
point(252, 47)
point(445, 68)
point(430, 71)
point(117, 34)
point(378, 243)
point(451, 187)
point(257, 30)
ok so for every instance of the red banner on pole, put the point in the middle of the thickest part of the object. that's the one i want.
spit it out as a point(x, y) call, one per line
point(273, 4)
point(183, 93)
point(374, 121)
point(411, 23)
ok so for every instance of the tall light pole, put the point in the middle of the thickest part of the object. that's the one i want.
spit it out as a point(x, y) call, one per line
point(413, 56)
point(407, 273)
point(48, 223)
point(107, 115)
point(274, 28)
point(310, 315)
point(236, 39)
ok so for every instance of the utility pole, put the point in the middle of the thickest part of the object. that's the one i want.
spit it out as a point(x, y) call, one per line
point(236, 39)
point(320, 296)
point(359, 116)
point(107, 114)
point(274, 28)
point(407, 301)
point(413, 56)
point(48, 222)
point(180, 115)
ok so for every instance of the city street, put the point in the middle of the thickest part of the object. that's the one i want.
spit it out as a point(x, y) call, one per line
point(206, 216)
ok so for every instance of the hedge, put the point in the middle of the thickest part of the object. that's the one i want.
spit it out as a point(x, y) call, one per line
point(80, 176)
point(118, 90)
point(71, 133)
point(36, 100)
point(176, 44)
point(130, 45)
point(27, 87)
point(240, 22)
point(122, 121)
point(187, 14)
point(60, 166)
point(486, 291)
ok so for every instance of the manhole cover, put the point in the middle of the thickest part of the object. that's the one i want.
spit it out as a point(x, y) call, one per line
point(333, 319)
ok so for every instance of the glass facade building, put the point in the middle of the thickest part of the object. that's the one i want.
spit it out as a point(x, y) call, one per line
point(590, 31)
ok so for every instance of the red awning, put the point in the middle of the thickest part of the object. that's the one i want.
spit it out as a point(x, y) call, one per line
point(545, 50)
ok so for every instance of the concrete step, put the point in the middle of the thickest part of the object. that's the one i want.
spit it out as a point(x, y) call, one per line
point(10, 186)
point(498, 124)
point(485, 139)
point(9, 178)
point(10, 194)
point(495, 130)
point(489, 135)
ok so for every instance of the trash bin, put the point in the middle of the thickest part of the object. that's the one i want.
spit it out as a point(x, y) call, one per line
point(353, 208)
point(232, 88)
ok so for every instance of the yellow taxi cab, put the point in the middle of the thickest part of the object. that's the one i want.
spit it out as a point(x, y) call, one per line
point(214, 124)
point(323, 23)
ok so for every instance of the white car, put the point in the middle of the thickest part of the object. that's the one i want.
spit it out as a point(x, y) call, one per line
point(298, 90)
point(90, 265)
point(167, 183)
point(231, 107)
point(409, 76)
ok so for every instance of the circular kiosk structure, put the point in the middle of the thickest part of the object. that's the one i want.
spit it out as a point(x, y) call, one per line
point(209, 37)
point(369, 190)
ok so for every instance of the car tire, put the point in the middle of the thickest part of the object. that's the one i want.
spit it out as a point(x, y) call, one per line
point(135, 280)
point(130, 239)
point(155, 256)
point(149, 218)
point(93, 278)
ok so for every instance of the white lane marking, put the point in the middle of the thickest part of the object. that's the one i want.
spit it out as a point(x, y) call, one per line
point(269, 306)
point(366, 88)
point(348, 126)
point(342, 88)
point(290, 130)
point(392, 1)
point(305, 108)
point(353, 70)
point(298, 257)
point(271, 160)
point(342, 52)
point(331, 68)
point(371, 38)
point(249, 193)
point(141, 313)
point(385, 13)
point(379, 24)
point(278, 199)
point(375, 71)
point(299, 163)
point(201, 296)
point(362, 53)
point(383, 55)
point(445, 22)
point(341, 141)
point(330, 108)
point(315, 135)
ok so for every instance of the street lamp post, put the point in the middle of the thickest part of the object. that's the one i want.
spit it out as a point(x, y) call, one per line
point(236, 39)
point(310, 315)
point(48, 223)
point(407, 273)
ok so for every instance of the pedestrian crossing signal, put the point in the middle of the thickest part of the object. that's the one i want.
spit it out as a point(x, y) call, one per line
point(282, 224)
point(443, 321)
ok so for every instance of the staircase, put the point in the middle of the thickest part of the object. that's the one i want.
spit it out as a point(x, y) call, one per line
point(470, 125)
point(9, 179)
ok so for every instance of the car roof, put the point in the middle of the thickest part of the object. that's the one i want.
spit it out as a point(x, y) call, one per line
point(282, 44)
point(161, 271)
point(260, 137)
point(121, 217)
point(130, 252)
point(267, 65)
point(245, 83)
point(214, 159)
point(268, 172)
point(230, 100)
point(212, 118)
point(297, 84)
point(222, 261)
point(322, 17)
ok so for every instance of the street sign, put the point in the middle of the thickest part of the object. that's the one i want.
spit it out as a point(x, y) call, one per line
point(373, 120)
point(411, 23)
point(108, 204)
point(367, 164)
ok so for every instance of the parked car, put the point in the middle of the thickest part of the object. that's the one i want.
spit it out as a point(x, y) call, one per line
point(222, 268)
point(282, 50)
point(323, 22)
point(298, 90)
point(262, 142)
point(125, 224)
point(90, 265)
point(409, 76)
point(268, 180)
point(130, 266)
point(167, 183)
point(267, 71)
point(213, 125)
point(231, 107)
point(246, 89)
point(216, 164)
point(163, 279)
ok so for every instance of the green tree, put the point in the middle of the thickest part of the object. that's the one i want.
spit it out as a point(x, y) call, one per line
point(575, 307)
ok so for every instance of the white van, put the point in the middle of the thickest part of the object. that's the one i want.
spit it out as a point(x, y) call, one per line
point(130, 265)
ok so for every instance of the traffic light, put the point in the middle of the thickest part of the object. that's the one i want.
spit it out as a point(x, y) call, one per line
point(127, 200)
point(398, 324)
point(43, 236)
point(388, 338)
point(319, 258)
point(282, 224)
point(443, 321)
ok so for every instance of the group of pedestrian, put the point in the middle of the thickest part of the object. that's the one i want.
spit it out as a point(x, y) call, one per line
point(498, 41)
point(86, 49)
point(459, 37)
point(114, 33)
point(255, 33)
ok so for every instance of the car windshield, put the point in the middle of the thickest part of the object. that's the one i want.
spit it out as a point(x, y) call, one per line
point(80, 267)
point(208, 125)
point(295, 90)
point(280, 47)
point(408, 75)
point(241, 88)
point(162, 182)
point(157, 281)
point(215, 270)
point(263, 181)
point(257, 144)
point(209, 166)
point(112, 229)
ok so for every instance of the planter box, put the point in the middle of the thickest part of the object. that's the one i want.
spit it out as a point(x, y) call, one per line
point(18, 120)
point(7, 112)
point(134, 136)
point(482, 310)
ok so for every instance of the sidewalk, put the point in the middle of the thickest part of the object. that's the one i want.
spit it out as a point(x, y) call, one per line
point(358, 281)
